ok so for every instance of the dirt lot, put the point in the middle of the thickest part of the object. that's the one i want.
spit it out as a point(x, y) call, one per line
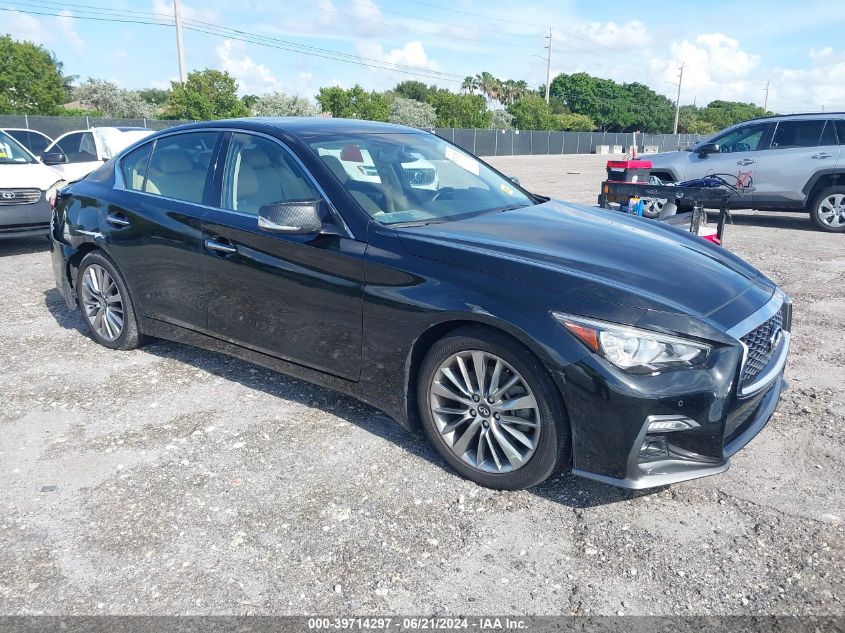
point(172, 480)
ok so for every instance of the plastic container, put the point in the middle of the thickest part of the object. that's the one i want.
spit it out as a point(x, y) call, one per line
point(629, 170)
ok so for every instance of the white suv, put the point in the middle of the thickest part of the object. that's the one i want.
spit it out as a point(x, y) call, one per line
point(791, 163)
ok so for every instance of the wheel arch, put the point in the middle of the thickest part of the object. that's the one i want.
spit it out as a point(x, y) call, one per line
point(435, 332)
point(819, 181)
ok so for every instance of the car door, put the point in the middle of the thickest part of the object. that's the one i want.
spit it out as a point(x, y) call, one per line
point(296, 297)
point(80, 151)
point(738, 157)
point(153, 225)
point(799, 149)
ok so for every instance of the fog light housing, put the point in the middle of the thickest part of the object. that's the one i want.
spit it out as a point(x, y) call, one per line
point(669, 423)
point(654, 447)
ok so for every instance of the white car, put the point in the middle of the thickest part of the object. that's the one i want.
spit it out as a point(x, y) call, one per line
point(76, 154)
point(26, 189)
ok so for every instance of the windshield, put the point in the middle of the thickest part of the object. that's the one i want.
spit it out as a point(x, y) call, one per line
point(12, 152)
point(415, 177)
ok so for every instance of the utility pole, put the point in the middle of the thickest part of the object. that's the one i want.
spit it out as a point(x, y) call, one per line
point(549, 67)
point(678, 100)
point(179, 49)
point(766, 100)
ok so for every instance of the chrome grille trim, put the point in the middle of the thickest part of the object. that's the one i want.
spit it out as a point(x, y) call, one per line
point(760, 362)
point(19, 196)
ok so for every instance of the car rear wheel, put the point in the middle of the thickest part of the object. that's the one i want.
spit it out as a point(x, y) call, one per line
point(492, 411)
point(105, 303)
point(828, 212)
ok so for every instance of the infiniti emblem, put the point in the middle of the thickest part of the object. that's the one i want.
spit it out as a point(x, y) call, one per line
point(8, 195)
point(484, 410)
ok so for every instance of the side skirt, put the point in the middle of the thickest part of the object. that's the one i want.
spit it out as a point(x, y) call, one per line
point(390, 403)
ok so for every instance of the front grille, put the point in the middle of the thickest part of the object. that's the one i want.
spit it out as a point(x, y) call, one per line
point(759, 342)
point(19, 196)
point(419, 177)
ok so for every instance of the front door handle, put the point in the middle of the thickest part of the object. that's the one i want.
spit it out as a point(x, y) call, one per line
point(821, 155)
point(746, 161)
point(221, 248)
point(117, 219)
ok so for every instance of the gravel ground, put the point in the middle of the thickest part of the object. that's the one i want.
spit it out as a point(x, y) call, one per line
point(172, 480)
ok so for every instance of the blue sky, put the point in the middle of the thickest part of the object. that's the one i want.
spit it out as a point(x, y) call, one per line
point(729, 49)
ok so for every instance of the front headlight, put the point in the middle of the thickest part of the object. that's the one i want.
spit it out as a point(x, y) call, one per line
point(633, 349)
point(53, 192)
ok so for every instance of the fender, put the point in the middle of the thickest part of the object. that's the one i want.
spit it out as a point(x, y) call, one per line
point(822, 173)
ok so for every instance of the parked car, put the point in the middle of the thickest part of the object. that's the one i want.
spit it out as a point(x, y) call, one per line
point(26, 187)
point(523, 335)
point(75, 154)
point(33, 140)
point(790, 163)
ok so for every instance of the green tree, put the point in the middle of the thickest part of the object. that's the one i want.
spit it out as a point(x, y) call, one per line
point(30, 82)
point(501, 120)
point(155, 96)
point(721, 114)
point(207, 94)
point(532, 113)
point(460, 110)
point(414, 90)
point(354, 103)
point(412, 113)
point(111, 100)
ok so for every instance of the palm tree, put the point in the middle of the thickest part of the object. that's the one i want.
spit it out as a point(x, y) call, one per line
point(520, 89)
point(469, 85)
point(67, 80)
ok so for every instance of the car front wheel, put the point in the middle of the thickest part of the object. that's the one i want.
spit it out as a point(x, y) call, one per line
point(828, 212)
point(492, 411)
point(105, 303)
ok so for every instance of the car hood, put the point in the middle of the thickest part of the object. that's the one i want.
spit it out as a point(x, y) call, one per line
point(26, 176)
point(605, 255)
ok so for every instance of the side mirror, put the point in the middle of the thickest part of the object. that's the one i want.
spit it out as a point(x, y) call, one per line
point(54, 158)
point(708, 148)
point(514, 180)
point(297, 217)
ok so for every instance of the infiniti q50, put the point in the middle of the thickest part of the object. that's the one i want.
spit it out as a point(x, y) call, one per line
point(521, 335)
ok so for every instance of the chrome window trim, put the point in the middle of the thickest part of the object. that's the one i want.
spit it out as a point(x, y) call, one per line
point(234, 130)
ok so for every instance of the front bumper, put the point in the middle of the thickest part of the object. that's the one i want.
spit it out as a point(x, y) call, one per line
point(25, 220)
point(610, 412)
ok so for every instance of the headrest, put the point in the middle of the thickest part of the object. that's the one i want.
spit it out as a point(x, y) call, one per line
point(174, 161)
point(335, 166)
point(247, 182)
point(255, 158)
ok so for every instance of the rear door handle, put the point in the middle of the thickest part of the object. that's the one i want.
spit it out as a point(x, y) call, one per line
point(821, 155)
point(220, 247)
point(117, 219)
point(746, 161)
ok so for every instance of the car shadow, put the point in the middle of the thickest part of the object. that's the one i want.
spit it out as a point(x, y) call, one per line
point(23, 246)
point(565, 489)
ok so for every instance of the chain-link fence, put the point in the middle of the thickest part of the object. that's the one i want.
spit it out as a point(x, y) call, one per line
point(480, 142)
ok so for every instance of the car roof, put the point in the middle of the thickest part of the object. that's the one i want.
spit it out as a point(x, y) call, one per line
point(305, 126)
point(23, 129)
point(803, 115)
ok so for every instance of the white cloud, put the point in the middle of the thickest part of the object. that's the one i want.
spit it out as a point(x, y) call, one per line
point(252, 78)
point(822, 84)
point(409, 54)
point(46, 31)
point(715, 67)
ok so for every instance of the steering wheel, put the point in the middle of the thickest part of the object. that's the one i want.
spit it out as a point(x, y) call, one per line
point(447, 193)
point(742, 147)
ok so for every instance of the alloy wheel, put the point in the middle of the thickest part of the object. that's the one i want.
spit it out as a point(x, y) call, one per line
point(831, 210)
point(653, 206)
point(102, 302)
point(485, 411)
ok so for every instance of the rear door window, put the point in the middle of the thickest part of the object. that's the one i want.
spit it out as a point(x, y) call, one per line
point(179, 166)
point(798, 134)
point(134, 167)
point(828, 134)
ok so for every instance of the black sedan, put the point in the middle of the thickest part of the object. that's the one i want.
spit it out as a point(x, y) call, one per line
point(522, 335)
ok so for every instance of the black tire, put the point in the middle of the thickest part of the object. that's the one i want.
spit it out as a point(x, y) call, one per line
point(130, 336)
point(553, 448)
point(815, 210)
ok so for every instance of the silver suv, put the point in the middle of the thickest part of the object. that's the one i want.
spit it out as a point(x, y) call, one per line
point(792, 162)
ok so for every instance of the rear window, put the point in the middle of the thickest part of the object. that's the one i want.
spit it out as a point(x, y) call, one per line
point(798, 134)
